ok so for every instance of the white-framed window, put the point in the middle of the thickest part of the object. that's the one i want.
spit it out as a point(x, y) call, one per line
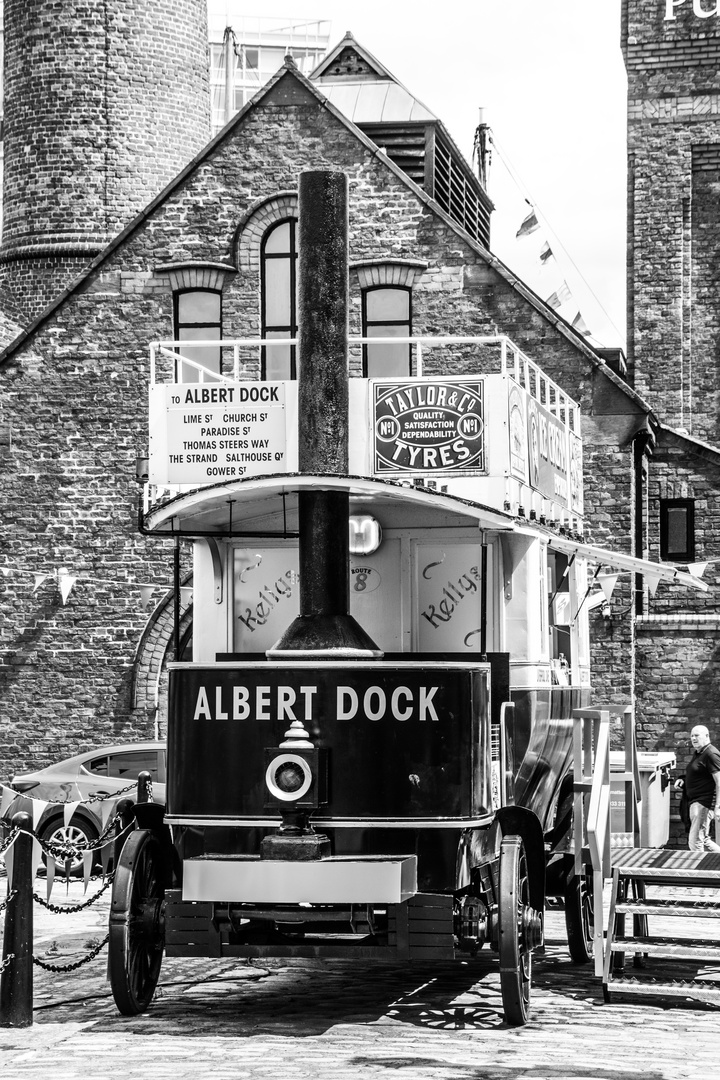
point(386, 313)
point(198, 318)
point(278, 288)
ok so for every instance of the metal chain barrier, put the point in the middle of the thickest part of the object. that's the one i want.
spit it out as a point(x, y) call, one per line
point(16, 1004)
point(59, 909)
point(63, 968)
point(10, 896)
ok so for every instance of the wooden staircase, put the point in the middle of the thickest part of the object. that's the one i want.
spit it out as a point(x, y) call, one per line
point(685, 885)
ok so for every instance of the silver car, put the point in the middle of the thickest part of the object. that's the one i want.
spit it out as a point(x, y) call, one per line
point(97, 777)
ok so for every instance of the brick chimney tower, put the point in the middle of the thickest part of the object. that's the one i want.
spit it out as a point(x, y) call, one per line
point(105, 101)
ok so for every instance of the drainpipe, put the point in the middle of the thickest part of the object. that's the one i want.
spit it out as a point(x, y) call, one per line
point(643, 445)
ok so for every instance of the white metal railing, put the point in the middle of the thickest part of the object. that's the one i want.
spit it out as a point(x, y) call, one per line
point(511, 361)
point(591, 807)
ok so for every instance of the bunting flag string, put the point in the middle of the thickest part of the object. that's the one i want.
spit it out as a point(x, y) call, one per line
point(530, 224)
point(50, 871)
point(66, 581)
point(9, 857)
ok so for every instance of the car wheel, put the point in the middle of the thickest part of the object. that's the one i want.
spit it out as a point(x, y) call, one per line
point(76, 835)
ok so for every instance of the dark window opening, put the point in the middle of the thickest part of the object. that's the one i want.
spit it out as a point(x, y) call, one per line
point(677, 530)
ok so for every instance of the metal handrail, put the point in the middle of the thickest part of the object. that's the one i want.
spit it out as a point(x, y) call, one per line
point(591, 810)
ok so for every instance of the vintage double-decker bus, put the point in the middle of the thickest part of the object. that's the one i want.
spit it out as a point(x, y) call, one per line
point(369, 751)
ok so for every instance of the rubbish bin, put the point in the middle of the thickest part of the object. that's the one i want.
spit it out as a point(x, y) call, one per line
point(655, 788)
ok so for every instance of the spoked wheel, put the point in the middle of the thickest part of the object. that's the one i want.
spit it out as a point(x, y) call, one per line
point(520, 931)
point(137, 934)
point(76, 836)
point(579, 913)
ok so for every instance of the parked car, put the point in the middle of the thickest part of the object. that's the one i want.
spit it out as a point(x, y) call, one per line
point(95, 777)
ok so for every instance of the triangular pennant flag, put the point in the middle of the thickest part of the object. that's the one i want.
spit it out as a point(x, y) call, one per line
point(8, 797)
point(66, 582)
point(105, 854)
point(607, 583)
point(37, 857)
point(38, 806)
point(559, 297)
point(580, 325)
point(50, 868)
point(88, 859)
point(186, 594)
point(652, 581)
point(39, 579)
point(529, 225)
point(68, 810)
point(107, 809)
point(697, 569)
point(146, 594)
point(10, 862)
point(545, 253)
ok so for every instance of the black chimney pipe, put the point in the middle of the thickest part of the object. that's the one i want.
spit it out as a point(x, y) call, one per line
point(324, 628)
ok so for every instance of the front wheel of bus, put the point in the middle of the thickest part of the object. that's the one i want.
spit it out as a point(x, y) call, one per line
point(137, 936)
point(519, 931)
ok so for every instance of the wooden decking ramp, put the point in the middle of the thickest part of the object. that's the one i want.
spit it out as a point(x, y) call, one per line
point(652, 886)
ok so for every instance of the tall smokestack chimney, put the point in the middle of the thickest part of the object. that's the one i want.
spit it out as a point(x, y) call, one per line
point(324, 629)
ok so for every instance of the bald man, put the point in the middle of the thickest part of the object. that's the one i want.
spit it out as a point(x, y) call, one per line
point(702, 788)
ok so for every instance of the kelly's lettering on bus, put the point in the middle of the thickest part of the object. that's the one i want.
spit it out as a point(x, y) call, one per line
point(428, 426)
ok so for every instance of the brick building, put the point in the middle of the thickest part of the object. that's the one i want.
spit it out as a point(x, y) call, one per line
point(672, 57)
point(82, 646)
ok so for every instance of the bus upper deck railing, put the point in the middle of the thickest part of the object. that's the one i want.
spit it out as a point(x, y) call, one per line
point(498, 355)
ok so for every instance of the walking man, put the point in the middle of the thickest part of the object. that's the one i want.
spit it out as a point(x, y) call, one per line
point(702, 790)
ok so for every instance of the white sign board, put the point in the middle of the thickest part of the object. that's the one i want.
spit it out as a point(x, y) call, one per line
point(202, 433)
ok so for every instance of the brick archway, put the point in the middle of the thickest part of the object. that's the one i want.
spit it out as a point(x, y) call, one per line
point(255, 223)
point(155, 648)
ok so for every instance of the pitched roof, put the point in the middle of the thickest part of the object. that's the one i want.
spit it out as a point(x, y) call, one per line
point(289, 70)
point(363, 88)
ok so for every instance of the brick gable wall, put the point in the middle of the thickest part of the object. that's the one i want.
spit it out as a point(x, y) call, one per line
point(76, 404)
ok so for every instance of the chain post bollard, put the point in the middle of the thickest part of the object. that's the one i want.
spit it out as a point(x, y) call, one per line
point(16, 982)
point(125, 813)
point(144, 787)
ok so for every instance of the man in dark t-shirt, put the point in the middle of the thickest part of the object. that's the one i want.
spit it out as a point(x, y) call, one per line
point(702, 788)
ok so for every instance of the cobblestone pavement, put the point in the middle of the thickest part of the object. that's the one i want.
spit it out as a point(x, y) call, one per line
point(311, 1020)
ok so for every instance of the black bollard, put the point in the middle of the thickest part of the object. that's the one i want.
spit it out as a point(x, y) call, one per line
point(16, 983)
point(144, 787)
point(125, 811)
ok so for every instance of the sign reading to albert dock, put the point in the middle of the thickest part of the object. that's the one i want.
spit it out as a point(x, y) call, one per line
point(209, 431)
point(427, 426)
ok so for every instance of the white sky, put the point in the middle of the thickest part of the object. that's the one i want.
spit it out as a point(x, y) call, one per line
point(550, 76)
